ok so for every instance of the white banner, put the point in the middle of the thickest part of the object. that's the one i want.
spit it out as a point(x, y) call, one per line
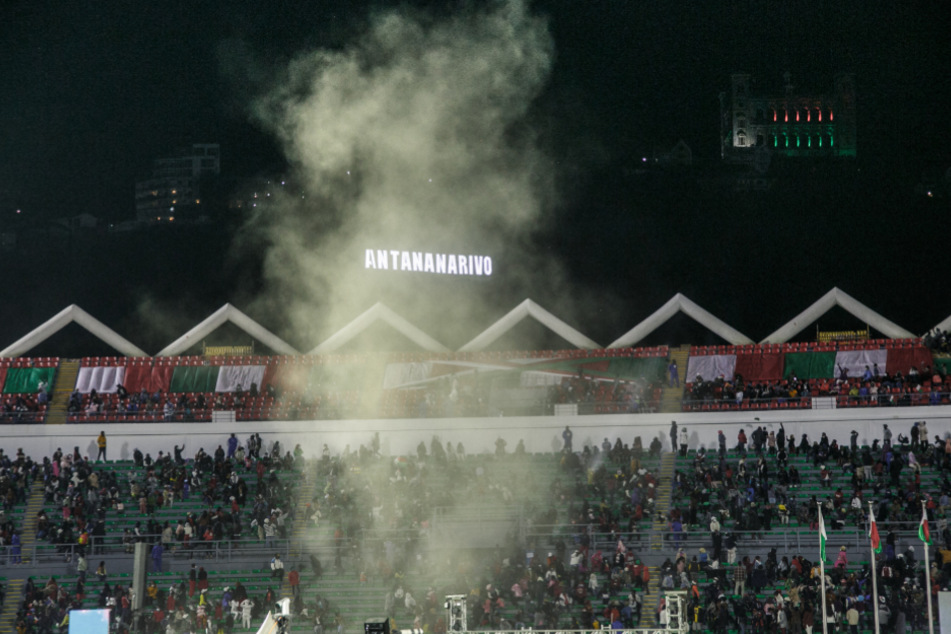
point(709, 367)
point(231, 376)
point(855, 361)
point(400, 374)
point(103, 379)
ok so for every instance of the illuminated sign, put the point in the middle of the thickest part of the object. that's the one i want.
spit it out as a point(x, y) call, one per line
point(421, 262)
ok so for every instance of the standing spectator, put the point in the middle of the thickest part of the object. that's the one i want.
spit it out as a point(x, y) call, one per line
point(277, 568)
point(739, 580)
point(157, 551)
point(673, 435)
point(15, 549)
point(852, 616)
point(246, 606)
point(567, 435)
point(101, 442)
point(294, 579)
point(82, 566)
point(684, 440)
point(673, 374)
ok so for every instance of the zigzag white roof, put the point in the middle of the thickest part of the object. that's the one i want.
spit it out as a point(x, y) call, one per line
point(379, 312)
point(528, 308)
point(224, 314)
point(827, 302)
point(680, 303)
point(68, 315)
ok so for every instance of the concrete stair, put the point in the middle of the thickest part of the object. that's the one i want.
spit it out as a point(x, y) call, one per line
point(8, 616)
point(671, 399)
point(28, 534)
point(62, 387)
point(664, 497)
point(305, 493)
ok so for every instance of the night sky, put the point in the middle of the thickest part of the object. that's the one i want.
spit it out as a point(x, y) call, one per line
point(91, 93)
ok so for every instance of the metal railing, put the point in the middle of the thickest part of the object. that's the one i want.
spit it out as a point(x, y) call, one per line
point(111, 547)
point(785, 539)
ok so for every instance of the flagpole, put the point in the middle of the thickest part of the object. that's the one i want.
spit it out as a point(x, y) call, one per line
point(871, 517)
point(822, 571)
point(924, 518)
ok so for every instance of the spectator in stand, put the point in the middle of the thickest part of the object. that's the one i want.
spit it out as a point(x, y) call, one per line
point(101, 443)
point(673, 374)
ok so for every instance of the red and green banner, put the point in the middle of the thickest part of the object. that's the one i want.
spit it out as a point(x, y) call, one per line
point(923, 533)
point(873, 533)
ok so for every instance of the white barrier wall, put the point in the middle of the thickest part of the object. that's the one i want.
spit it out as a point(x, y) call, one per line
point(478, 435)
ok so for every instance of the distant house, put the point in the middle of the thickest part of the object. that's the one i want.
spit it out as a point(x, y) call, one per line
point(680, 155)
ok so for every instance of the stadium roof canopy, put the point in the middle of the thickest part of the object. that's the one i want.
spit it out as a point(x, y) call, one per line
point(827, 302)
point(527, 309)
point(71, 314)
point(379, 312)
point(676, 304)
point(225, 314)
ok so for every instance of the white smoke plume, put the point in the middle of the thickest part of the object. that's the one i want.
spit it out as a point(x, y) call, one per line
point(418, 137)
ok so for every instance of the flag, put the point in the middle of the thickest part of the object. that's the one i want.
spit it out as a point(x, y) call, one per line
point(873, 533)
point(822, 536)
point(923, 533)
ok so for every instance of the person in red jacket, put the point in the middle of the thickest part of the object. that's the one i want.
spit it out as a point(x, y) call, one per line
point(294, 579)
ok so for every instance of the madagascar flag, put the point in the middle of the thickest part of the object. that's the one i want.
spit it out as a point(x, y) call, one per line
point(822, 536)
point(923, 533)
point(873, 533)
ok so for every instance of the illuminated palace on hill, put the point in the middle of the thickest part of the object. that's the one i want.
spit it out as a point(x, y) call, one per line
point(790, 124)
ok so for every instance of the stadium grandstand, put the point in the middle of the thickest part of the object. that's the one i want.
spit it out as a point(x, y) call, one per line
point(676, 488)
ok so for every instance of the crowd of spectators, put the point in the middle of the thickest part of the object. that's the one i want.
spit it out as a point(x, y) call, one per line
point(159, 405)
point(727, 497)
point(587, 501)
point(580, 564)
point(874, 387)
point(24, 408)
point(594, 395)
point(241, 495)
point(938, 340)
